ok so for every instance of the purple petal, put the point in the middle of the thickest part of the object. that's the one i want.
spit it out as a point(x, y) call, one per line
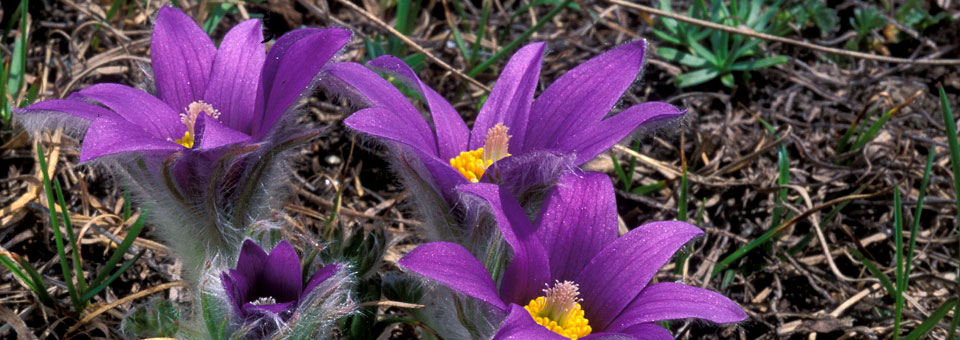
point(319, 276)
point(237, 287)
point(107, 137)
point(529, 271)
point(647, 331)
point(583, 96)
point(235, 75)
point(282, 278)
point(212, 134)
point(671, 301)
point(292, 63)
point(252, 259)
point(452, 132)
point(578, 218)
point(509, 101)
point(406, 125)
point(182, 55)
point(137, 107)
point(624, 267)
point(454, 266)
point(590, 142)
point(384, 123)
point(519, 325)
point(72, 107)
point(444, 176)
point(367, 88)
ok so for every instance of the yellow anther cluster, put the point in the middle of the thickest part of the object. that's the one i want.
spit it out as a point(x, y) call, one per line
point(186, 141)
point(570, 324)
point(189, 119)
point(470, 164)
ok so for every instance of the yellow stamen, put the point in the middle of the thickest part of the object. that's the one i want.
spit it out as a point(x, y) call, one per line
point(189, 119)
point(559, 311)
point(472, 164)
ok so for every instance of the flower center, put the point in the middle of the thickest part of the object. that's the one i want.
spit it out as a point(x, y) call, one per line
point(559, 311)
point(264, 300)
point(472, 164)
point(189, 119)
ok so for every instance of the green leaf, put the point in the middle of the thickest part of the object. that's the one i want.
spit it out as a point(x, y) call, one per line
point(696, 77)
point(727, 80)
point(667, 37)
point(759, 64)
point(674, 55)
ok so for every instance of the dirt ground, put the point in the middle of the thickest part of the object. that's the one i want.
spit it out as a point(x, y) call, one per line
point(806, 283)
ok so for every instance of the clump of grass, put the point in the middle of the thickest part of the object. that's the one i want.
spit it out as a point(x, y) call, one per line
point(80, 291)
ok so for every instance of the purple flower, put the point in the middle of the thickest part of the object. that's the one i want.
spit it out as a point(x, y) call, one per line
point(269, 285)
point(570, 272)
point(516, 142)
point(204, 153)
point(205, 97)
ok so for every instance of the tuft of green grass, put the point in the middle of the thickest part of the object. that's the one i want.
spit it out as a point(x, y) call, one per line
point(728, 52)
point(512, 45)
point(80, 291)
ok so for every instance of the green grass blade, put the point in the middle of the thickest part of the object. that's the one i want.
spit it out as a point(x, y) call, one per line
point(58, 237)
point(68, 226)
point(15, 269)
point(951, 127)
point(18, 64)
point(872, 267)
point(219, 11)
point(898, 228)
point(475, 52)
point(96, 289)
point(649, 188)
point(6, 111)
point(37, 279)
point(927, 325)
point(916, 215)
point(621, 175)
point(404, 11)
point(854, 128)
point(132, 235)
point(516, 42)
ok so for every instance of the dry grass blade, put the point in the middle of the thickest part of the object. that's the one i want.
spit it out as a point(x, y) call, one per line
point(14, 320)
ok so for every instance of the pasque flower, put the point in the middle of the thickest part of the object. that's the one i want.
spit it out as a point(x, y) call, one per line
point(266, 298)
point(570, 275)
point(516, 142)
point(201, 149)
point(269, 285)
